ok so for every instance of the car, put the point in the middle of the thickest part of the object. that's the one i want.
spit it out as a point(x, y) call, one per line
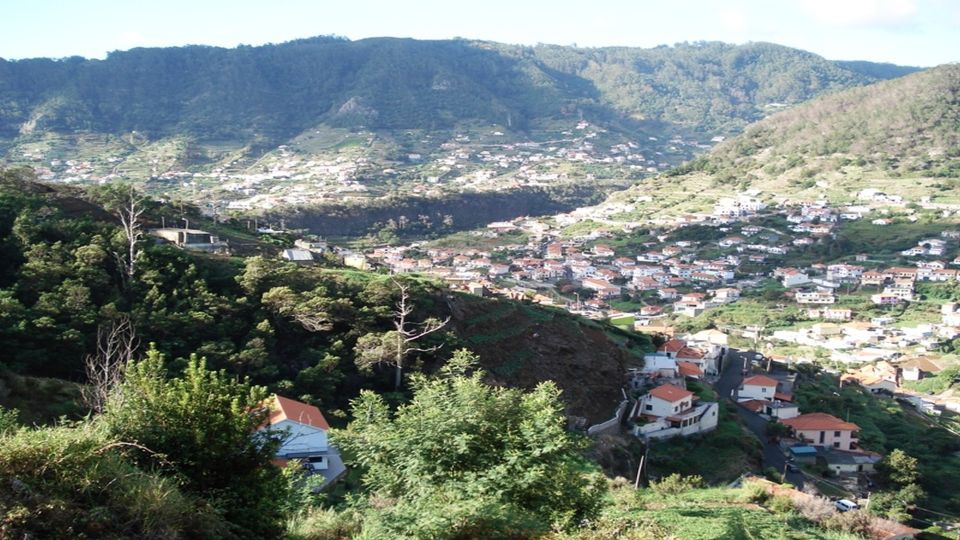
point(845, 505)
point(792, 467)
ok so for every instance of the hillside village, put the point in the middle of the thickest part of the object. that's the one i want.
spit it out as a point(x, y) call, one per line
point(853, 310)
point(329, 165)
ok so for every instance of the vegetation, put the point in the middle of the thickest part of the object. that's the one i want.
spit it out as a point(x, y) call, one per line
point(905, 436)
point(281, 90)
point(834, 146)
point(463, 459)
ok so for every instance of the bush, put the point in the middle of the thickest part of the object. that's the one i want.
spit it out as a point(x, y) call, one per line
point(323, 524)
point(76, 482)
point(773, 475)
point(675, 483)
point(781, 504)
point(852, 522)
point(815, 509)
point(756, 492)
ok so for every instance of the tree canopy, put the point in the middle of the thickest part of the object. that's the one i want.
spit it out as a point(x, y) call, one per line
point(464, 457)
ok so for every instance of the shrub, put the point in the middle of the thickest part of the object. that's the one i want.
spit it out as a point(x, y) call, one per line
point(323, 524)
point(756, 492)
point(781, 504)
point(77, 482)
point(816, 509)
point(675, 483)
point(773, 475)
point(852, 522)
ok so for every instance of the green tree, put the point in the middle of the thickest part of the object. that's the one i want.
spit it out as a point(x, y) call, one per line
point(900, 468)
point(201, 428)
point(465, 459)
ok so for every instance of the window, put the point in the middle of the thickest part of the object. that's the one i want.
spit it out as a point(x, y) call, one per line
point(763, 389)
point(822, 435)
point(649, 407)
point(836, 433)
point(836, 444)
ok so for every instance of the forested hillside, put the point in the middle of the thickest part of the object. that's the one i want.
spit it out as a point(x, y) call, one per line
point(273, 92)
point(289, 327)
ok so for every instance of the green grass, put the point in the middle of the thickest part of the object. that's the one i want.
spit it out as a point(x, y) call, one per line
point(700, 514)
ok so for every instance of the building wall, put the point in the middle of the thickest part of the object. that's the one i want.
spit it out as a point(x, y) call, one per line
point(301, 439)
point(658, 407)
point(845, 438)
point(749, 391)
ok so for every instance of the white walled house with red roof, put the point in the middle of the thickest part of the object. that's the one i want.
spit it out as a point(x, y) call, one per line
point(821, 429)
point(669, 411)
point(304, 431)
point(757, 387)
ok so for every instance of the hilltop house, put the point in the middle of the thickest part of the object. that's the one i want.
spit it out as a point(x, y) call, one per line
point(821, 429)
point(305, 438)
point(193, 239)
point(668, 411)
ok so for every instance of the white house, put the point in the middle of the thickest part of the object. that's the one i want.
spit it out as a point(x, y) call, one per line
point(821, 429)
point(666, 400)
point(660, 364)
point(304, 431)
point(794, 278)
point(757, 387)
point(669, 410)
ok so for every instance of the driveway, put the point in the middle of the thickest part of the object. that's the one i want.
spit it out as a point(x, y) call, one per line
point(730, 378)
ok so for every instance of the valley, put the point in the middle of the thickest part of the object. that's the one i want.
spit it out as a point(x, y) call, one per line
point(689, 291)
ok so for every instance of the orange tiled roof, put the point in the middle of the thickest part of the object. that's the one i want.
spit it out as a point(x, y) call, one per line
point(689, 352)
point(289, 409)
point(672, 346)
point(669, 392)
point(760, 380)
point(820, 422)
point(689, 369)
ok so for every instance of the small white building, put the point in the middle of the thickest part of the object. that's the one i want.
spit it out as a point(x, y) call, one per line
point(669, 411)
point(304, 433)
point(757, 387)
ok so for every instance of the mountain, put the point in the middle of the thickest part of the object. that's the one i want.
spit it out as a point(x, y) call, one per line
point(901, 136)
point(277, 91)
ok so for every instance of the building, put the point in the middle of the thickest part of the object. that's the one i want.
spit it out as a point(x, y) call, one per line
point(668, 411)
point(757, 387)
point(298, 256)
point(193, 239)
point(821, 429)
point(304, 432)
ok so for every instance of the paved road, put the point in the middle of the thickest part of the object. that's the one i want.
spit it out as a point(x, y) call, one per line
point(730, 377)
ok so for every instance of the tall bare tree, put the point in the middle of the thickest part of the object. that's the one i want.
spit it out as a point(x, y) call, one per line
point(392, 348)
point(130, 213)
point(117, 344)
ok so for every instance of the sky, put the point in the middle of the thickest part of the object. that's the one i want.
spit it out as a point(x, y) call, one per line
point(909, 32)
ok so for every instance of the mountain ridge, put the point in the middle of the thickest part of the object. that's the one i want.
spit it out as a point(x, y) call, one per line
point(401, 83)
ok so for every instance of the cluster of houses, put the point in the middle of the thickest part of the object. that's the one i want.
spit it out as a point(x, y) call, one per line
point(664, 407)
point(815, 438)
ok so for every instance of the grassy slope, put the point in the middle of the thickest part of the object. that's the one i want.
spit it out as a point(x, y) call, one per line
point(701, 514)
point(899, 136)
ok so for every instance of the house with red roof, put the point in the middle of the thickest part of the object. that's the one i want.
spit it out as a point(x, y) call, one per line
point(669, 410)
point(304, 431)
point(822, 429)
point(757, 387)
